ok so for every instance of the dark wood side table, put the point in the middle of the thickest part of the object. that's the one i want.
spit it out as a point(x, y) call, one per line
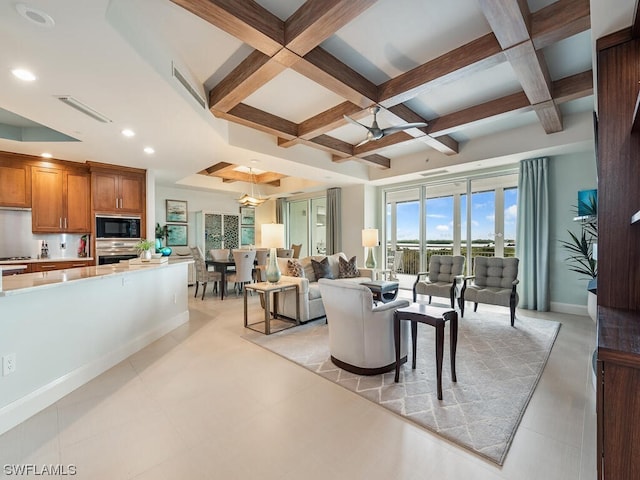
point(382, 290)
point(436, 317)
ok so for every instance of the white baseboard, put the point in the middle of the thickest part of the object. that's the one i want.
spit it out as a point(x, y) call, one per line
point(18, 411)
point(569, 308)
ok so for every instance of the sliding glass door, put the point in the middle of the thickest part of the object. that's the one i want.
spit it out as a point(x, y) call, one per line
point(307, 225)
point(447, 217)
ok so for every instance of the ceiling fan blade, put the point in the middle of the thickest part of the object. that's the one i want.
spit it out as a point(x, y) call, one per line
point(366, 140)
point(351, 120)
point(399, 128)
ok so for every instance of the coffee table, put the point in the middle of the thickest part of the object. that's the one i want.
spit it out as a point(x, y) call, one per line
point(436, 317)
point(382, 290)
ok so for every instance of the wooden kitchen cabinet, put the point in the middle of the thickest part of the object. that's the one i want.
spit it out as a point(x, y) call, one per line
point(59, 265)
point(118, 192)
point(61, 200)
point(15, 183)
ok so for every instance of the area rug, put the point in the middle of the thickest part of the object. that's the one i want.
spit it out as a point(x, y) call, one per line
point(497, 366)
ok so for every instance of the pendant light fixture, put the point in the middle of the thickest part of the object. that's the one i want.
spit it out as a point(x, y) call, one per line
point(251, 200)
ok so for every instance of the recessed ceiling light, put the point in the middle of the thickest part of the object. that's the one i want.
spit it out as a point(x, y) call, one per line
point(24, 75)
point(46, 155)
point(149, 150)
point(38, 17)
point(255, 161)
point(128, 132)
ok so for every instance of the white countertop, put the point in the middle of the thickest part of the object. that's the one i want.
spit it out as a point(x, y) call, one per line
point(13, 267)
point(25, 283)
point(38, 260)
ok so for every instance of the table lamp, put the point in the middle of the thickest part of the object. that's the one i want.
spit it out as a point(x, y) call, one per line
point(273, 237)
point(370, 240)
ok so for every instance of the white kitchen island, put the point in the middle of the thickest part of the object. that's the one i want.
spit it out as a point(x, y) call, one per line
point(65, 327)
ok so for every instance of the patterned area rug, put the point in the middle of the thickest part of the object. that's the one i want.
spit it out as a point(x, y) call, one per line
point(498, 368)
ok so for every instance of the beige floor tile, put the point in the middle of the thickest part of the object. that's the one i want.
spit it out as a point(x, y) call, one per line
point(205, 403)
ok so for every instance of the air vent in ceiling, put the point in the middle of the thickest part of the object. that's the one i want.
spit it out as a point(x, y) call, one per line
point(81, 107)
point(188, 87)
point(296, 193)
point(433, 172)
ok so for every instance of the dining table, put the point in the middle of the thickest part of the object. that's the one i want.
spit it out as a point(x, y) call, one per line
point(224, 267)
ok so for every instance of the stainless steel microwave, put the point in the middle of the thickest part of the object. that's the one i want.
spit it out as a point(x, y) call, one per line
point(117, 227)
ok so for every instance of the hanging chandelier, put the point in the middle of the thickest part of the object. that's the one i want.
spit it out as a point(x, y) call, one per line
point(251, 200)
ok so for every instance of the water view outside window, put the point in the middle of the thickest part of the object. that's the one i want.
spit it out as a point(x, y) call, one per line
point(446, 215)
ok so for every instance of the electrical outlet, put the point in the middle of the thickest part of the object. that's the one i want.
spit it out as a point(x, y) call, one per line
point(63, 246)
point(8, 364)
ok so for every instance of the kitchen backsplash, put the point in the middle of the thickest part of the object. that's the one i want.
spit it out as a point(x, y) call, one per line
point(17, 240)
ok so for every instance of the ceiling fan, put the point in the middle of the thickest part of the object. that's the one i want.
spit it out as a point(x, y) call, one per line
point(376, 133)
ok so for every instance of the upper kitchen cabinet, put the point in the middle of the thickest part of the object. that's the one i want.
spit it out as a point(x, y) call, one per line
point(15, 182)
point(61, 200)
point(118, 190)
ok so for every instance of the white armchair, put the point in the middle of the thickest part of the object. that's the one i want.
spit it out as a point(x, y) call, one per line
point(360, 333)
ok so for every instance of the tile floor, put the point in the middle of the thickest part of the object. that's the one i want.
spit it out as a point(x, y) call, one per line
point(203, 403)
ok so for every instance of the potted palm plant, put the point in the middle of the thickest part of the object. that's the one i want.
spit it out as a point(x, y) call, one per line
point(581, 248)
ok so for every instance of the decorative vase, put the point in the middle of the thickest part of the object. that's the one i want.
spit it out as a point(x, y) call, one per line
point(145, 255)
point(166, 251)
point(273, 272)
point(158, 245)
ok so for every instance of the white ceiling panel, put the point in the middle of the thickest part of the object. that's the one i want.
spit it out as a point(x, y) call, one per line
point(281, 9)
point(496, 124)
point(392, 37)
point(293, 96)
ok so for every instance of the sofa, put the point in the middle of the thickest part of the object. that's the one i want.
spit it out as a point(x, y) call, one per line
point(309, 295)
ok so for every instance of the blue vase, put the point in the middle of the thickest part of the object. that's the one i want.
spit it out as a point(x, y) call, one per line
point(166, 251)
point(158, 245)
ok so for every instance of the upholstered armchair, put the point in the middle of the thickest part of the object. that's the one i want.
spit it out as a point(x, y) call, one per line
point(494, 282)
point(361, 337)
point(443, 279)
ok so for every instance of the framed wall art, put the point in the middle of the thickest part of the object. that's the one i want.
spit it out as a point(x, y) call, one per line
point(247, 236)
point(177, 211)
point(176, 235)
point(247, 216)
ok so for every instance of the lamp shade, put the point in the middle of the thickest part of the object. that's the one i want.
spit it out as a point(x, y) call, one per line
point(370, 237)
point(273, 235)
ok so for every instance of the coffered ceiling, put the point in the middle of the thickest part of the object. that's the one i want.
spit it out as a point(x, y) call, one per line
point(267, 84)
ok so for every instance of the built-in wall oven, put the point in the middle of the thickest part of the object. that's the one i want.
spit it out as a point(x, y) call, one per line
point(114, 250)
point(116, 238)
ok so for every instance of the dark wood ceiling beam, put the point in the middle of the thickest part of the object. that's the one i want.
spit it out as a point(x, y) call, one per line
point(454, 121)
point(248, 21)
point(475, 56)
point(260, 120)
point(443, 143)
point(376, 161)
point(332, 144)
point(326, 70)
point(560, 20)
point(570, 88)
point(509, 20)
point(220, 166)
point(252, 73)
point(325, 122)
point(317, 20)
point(384, 142)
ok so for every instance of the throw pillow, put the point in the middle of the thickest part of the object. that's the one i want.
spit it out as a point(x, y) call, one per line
point(322, 268)
point(294, 269)
point(348, 268)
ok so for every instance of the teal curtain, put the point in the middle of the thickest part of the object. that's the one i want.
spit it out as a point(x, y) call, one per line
point(532, 241)
point(334, 220)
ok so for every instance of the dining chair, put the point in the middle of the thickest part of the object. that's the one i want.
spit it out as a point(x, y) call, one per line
point(244, 268)
point(284, 252)
point(262, 257)
point(220, 254)
point(203, 274)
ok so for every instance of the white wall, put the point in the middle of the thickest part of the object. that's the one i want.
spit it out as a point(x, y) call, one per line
point(567, 175)
point(360, 209)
